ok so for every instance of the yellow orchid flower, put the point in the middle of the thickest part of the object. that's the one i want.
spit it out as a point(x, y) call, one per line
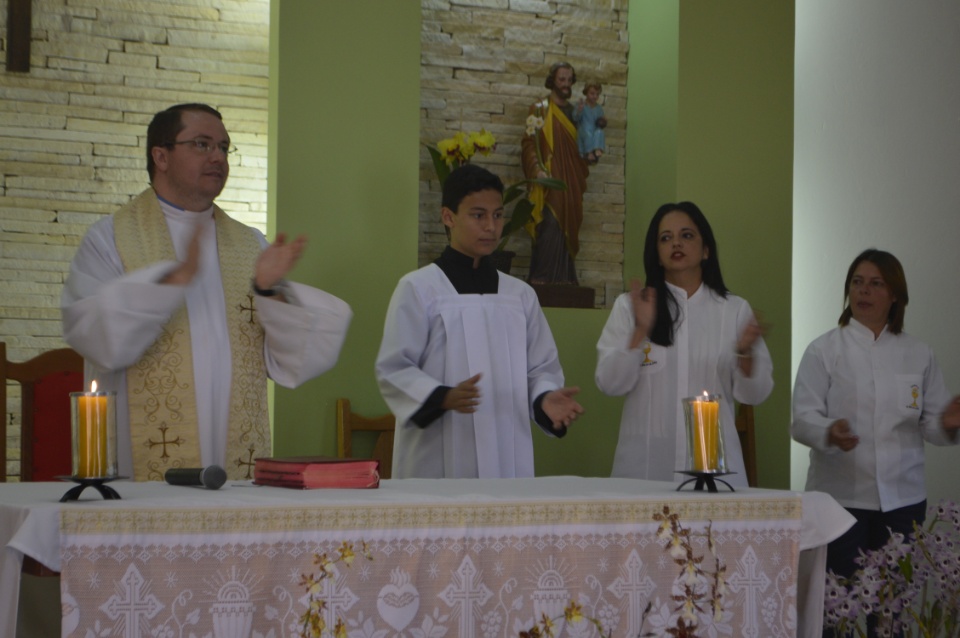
point(466, 149)
point(483, 141)
point(450, 149)
point(459, 149)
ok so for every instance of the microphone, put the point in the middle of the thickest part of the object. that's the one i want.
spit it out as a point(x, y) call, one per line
point(211, 477)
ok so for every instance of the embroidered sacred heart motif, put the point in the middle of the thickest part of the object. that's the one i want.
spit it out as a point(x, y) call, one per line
point(399, 601)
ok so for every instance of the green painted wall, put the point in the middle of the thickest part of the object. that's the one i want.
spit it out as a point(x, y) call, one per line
point(710, 110)
point(345, 172)
point(653, 113)
point(735, 159)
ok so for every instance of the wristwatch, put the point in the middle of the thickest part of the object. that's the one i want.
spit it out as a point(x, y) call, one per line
point(269, 292)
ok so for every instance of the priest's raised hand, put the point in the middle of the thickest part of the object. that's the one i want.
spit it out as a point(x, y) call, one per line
point(277, 260)
point(185, 271)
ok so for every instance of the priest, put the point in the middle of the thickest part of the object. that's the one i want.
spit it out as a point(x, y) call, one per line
point(467, 358)
point(185, 312)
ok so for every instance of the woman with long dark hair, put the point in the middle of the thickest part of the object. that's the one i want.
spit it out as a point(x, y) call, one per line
point(680, 336)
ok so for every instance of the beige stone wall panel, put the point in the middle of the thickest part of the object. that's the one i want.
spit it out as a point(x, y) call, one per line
point(440, 48)
point(78, 50)
point(125, 31)
point(428, 37)
point(130, 163)
point(35, 232)
point(100, 126)
point(255, 118)
point(494, 4)
point(511, 18)
point(9, 155)
point(240, 14)
point(103, 72)
point(54, 136)
point(11, 312)
point(119, 58)
point(211, 64)
point(36, 169)
point(44, 72)
point(115, 23)
point(232, 81)
point(531, 6)
point(429, 88)
point(249, 145)
point(16, 144)
point(198, 10)
point(27, 214)
point(15, 95)
point(188, 85)
point(249, 56)
point(483, 64)
point(490, 63)
point(31, 120)
point(435, 72)
point(214, 40)
point(68, 111)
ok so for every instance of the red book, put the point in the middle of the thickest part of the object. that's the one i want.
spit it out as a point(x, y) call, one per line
point(310, 472)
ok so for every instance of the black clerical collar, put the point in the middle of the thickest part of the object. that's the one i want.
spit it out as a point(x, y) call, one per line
point(482, 280)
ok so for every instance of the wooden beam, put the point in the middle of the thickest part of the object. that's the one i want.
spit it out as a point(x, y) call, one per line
point(19, 24)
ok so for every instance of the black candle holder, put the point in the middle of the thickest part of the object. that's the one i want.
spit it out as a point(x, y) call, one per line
point(96, 482)
point(703, 480)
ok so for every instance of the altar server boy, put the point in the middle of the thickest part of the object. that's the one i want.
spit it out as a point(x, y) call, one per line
point(467, 358)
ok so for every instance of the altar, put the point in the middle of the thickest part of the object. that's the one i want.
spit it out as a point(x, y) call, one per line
point(427, 557)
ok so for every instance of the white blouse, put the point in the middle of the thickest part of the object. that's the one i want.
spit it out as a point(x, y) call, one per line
point(652, 442)
point(892, 393)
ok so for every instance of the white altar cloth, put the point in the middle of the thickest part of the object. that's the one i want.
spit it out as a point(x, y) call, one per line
point(476, 557)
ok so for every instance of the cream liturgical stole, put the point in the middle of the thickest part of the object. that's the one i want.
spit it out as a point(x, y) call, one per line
point(160, 386)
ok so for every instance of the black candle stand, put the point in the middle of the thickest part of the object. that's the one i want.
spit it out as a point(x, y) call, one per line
point(703, 480)
point(97, 482)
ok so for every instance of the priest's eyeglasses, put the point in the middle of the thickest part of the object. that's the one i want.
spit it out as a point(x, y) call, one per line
point(206, 147)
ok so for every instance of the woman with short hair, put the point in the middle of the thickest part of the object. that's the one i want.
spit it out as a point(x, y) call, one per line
point(867, 396)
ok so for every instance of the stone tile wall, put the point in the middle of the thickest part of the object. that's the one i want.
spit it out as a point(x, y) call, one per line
point(483, 63)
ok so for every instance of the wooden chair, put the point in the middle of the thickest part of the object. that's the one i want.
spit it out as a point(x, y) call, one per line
point(748, 443)
point(46, 382)
point(349, 422)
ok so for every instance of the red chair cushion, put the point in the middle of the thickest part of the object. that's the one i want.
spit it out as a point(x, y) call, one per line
point(52, 453)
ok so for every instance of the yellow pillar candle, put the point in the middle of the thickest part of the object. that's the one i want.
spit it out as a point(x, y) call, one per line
point(92, 459)
point(706, 435)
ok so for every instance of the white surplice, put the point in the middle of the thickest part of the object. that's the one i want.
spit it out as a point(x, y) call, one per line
point(652, 442)
point(434, 336)
point(111, 318)
point(891, 391)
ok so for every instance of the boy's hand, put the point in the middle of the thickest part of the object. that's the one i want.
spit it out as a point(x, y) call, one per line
point(561, 407)
point(465, 397)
